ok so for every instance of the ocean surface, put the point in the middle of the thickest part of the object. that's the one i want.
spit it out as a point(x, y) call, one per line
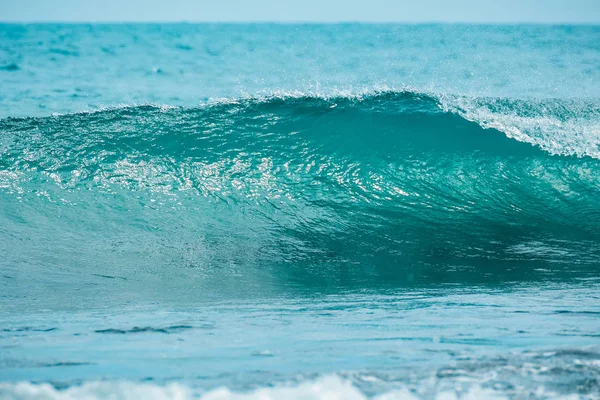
point(264, 211)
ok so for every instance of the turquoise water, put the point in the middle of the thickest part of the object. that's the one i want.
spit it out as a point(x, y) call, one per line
point(299, 211)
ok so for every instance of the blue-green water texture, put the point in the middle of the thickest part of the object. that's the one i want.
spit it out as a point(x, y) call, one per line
point(264, 211)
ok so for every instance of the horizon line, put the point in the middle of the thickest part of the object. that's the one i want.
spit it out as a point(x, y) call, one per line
point(300, 22)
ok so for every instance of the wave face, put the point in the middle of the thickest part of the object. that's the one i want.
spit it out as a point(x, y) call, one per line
point(374, 188)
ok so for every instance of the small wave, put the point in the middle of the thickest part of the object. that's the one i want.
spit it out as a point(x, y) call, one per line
point(146, 329)
point(10, 67)
point(29, 329)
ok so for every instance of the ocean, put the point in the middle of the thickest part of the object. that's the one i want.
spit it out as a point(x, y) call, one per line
point(280, 211)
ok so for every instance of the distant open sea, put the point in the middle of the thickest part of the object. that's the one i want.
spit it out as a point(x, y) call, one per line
point(265, 211)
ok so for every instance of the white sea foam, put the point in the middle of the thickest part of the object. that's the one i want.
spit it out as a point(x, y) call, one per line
point(326, 388)
point(569, 128)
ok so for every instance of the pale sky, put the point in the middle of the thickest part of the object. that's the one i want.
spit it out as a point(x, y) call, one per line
point(472, 11)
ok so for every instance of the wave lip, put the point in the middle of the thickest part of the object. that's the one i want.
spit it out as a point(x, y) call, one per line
point(559, 126)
